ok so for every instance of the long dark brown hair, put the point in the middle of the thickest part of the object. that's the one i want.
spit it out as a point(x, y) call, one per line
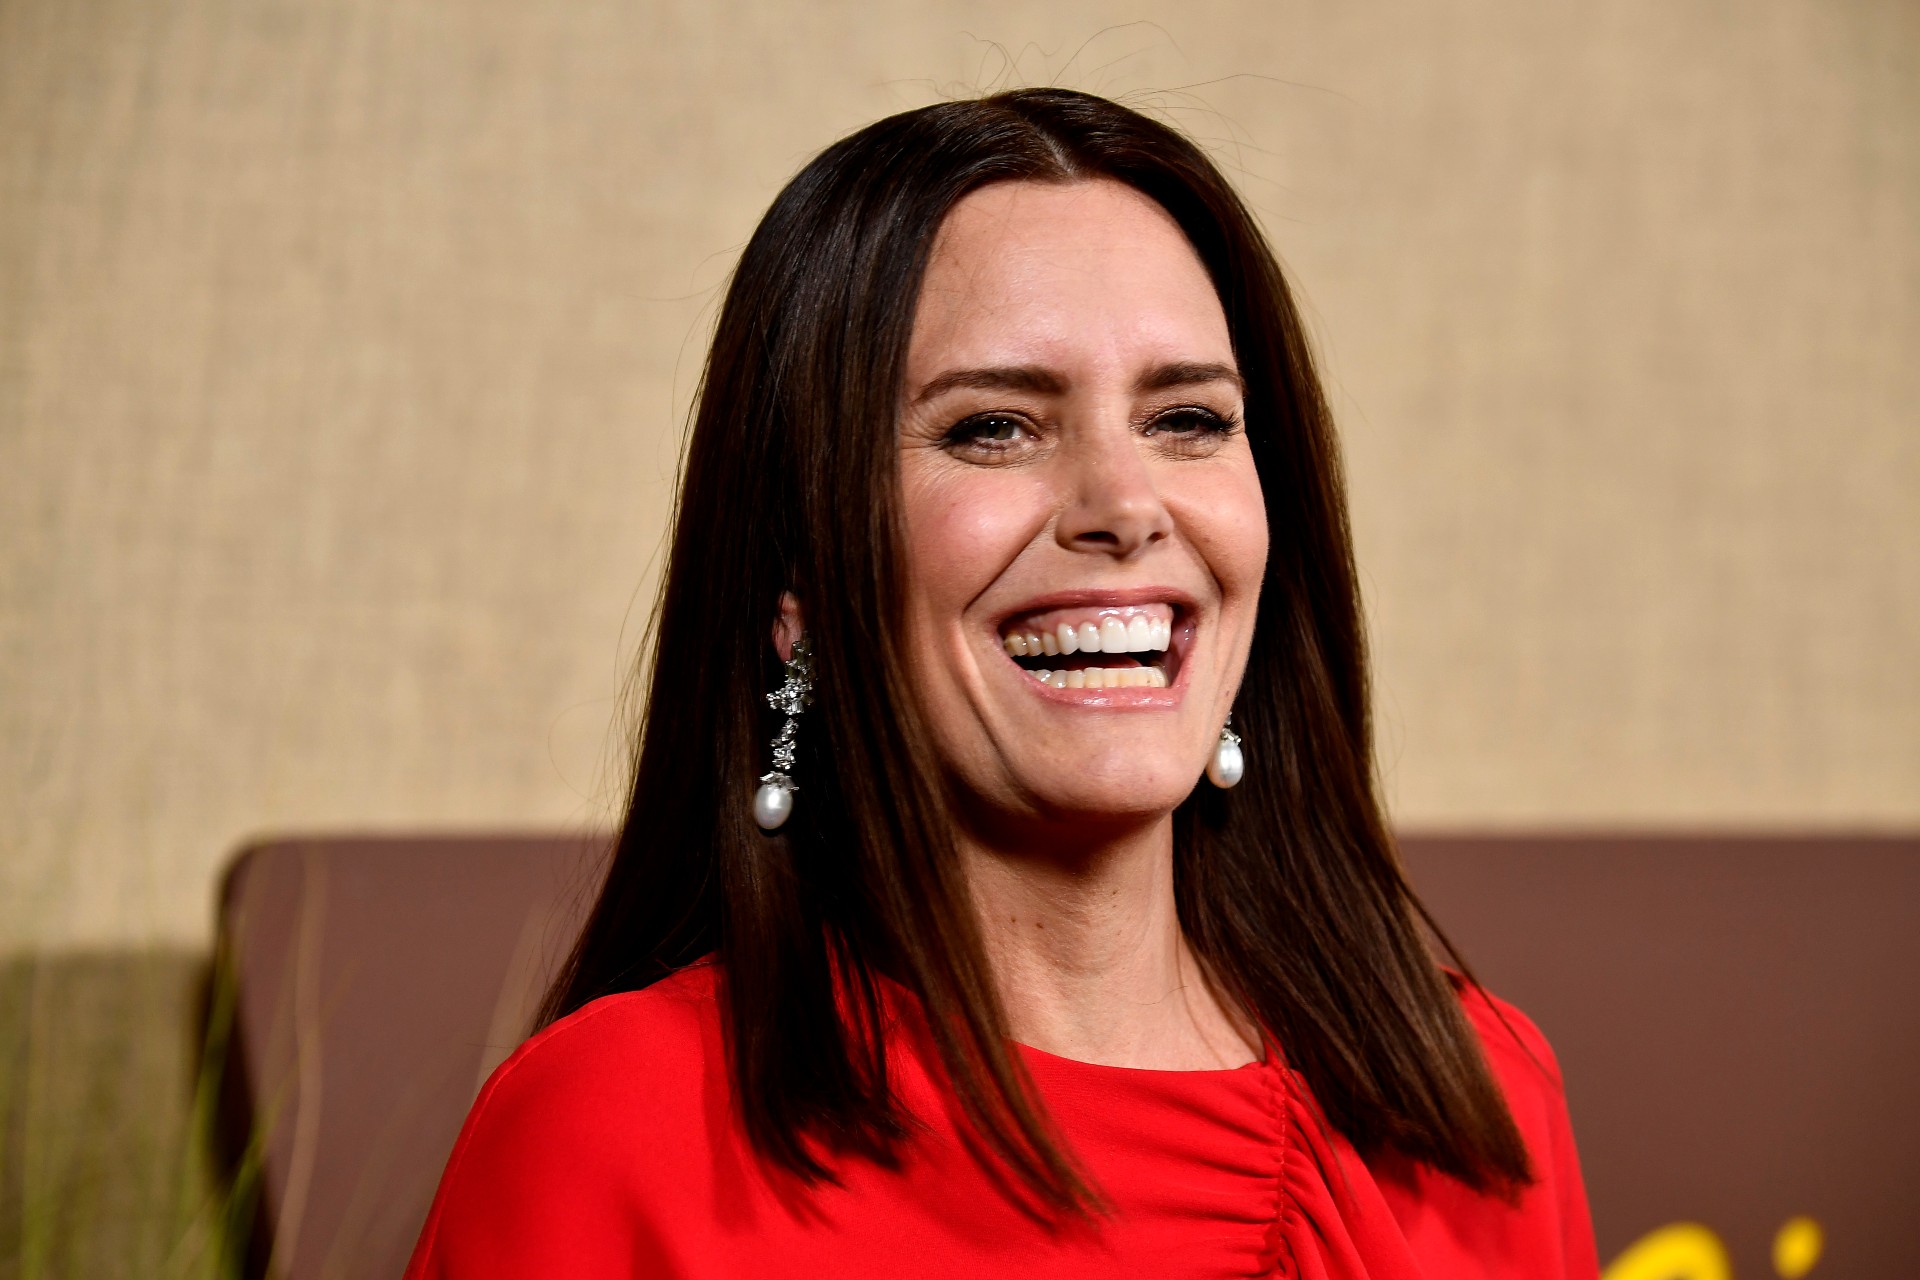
point(1288, 888)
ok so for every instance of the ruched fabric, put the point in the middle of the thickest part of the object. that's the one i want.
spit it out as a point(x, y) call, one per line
point(608, 1146)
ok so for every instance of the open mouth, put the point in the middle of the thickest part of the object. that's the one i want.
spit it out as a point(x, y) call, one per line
point(1118, 647)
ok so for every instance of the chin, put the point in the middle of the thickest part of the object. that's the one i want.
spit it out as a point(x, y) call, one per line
point(1119, 796)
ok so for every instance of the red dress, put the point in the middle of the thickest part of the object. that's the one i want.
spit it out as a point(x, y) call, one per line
point(607, 1146)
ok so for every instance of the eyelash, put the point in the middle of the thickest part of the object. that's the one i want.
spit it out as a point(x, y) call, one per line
point(1210, 423)
point(968, 430)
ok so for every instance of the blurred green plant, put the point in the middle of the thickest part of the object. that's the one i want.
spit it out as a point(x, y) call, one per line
point(112, 1074)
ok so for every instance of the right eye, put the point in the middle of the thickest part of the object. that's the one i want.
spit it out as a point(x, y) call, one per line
point(990, 434)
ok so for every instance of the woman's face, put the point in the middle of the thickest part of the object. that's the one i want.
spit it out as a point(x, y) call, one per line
point(1084, 524)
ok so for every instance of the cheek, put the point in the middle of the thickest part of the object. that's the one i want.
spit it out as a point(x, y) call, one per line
point(963, 529)
point(1250, 529)
point(1229, 524)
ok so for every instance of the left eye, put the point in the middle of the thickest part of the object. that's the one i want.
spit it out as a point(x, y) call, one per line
point(1189, 420)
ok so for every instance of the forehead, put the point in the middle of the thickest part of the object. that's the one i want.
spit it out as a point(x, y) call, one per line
point(1064, 272)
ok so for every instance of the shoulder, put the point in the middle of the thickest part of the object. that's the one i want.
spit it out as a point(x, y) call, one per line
point(1515, 1047)
point(647, 1063)
point(589, 1135)
point(1528, 1073)
point(617, 1051)
point(1522, 1061)
point(1542, 1229)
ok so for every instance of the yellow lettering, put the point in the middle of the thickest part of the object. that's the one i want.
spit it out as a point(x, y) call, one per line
point(1681, 1251)
point(1797, 1247)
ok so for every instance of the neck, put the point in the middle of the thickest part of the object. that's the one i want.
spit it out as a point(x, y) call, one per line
point(1086, 947)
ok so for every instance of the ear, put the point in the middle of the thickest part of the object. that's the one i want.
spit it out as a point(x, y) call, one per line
point(788, 627)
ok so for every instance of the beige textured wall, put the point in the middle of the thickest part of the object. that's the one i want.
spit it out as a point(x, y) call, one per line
point(344, 346)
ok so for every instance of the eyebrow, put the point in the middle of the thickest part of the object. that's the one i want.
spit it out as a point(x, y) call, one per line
point(1003, 378)
point(1038, 381)
point(1189, 373)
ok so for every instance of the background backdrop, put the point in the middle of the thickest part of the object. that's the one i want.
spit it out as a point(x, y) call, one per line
point(345, 347)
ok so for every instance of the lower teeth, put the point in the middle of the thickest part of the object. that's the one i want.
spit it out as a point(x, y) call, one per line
point(1104, 678)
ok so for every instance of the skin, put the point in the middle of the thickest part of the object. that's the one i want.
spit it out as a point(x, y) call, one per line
point(1080, 475)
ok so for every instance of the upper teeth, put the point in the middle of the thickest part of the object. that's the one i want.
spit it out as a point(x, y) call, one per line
point(1137, 634)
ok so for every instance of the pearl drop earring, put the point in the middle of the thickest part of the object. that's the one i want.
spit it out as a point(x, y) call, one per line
point(773, 802)
point(1228, 765)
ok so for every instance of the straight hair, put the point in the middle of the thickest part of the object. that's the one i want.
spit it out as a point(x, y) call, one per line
point(1289, 889)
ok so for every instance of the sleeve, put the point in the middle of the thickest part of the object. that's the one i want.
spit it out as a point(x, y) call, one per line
point(535, 1186)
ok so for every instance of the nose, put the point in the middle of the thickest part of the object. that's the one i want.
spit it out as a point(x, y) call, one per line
point(1113, 506)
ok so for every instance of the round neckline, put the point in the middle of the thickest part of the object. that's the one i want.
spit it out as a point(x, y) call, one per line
point(1261, 1063)
point(898, 996)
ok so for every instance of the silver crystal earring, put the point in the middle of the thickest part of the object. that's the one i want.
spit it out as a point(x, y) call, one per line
point(773, 802)
point(1228, 765)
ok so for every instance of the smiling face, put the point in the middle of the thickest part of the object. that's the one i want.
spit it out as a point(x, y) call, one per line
point(1085, 531)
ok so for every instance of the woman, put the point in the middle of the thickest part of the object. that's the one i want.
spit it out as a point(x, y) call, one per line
point(1011, 507)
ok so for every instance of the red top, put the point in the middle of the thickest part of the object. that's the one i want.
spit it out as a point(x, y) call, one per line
point(607, 1146)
